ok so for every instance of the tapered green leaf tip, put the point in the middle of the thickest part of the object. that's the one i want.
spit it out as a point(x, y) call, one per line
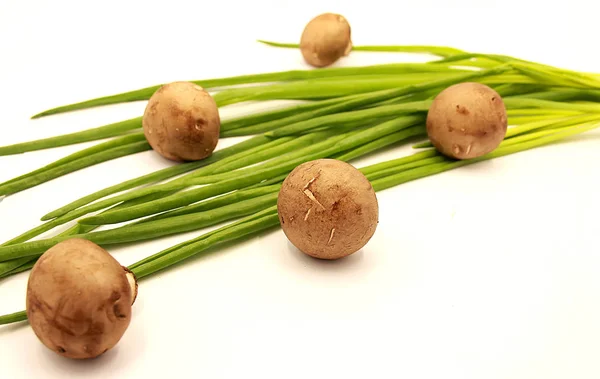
point(39, 115)
point(49, 112)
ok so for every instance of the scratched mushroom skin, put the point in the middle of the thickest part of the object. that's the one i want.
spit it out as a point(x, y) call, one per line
point(327, 209)
point(467, 120)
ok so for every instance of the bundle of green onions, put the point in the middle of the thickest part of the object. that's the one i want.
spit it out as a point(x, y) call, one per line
point(345, 114)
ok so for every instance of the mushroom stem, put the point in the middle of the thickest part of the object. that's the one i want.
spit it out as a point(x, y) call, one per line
point(133, 283)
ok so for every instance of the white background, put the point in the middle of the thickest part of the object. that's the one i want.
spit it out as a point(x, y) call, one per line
point(489, 271)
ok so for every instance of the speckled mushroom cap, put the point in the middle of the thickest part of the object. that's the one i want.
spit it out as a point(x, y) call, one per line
point(327, 209)
point(467, 120)
point(181, 122)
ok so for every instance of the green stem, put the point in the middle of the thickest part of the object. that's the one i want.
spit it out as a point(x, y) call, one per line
point(26, 266)
point(146, 230)
point(163, 190)
point(230, 126)
point(240, 159)
point(400, 161)
point(565, 94)
point(330, 107)
point(276, 151)
point(346, 117)
point(245, 228)
point(417, 173)
point(146, 93)
point(153, 178)
point(187, 249)
point(542, 73)
point(229, 233)
point(219, 201)
point(90, 160)
point(397, 166)
point(111, 130)
point(540, 112)
point(162, 253)
point(253, 176)
point(13, 317)
point(15, 266)
point(519, 120)
point(537, 124)
point(441, 51)
point(119, 141)
point(382, 142)
point(523, 102)
point(327, 88)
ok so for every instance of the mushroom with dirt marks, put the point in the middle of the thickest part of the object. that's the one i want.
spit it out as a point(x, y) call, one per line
point(467, 120)
point(327, 208)
point(79, 299)
point(181, 122)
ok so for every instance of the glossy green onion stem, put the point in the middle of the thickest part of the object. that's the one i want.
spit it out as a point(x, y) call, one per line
point(74, 165)
point(111, 130)
point(441, 51)
point(115, 142)
point(282, 76)
point(236, 180)
point(170, 222)
point(268, 217)
point(159, 175)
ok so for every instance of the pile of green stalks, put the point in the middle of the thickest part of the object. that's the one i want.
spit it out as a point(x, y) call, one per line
point(342, 113)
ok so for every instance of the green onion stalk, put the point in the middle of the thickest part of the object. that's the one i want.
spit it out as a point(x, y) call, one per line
point(149, 200)
point(380, 175)
point(229, 181)
point(261, 123)
point(351, 89)
point(282, 76)
point(299, 123)
point(379, 138)
point(295, 119)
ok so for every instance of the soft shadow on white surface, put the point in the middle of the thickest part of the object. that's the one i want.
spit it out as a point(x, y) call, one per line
point(79, 368)
point(128, 352)
point(12, 328)
point(76, 365)
point(324, 265)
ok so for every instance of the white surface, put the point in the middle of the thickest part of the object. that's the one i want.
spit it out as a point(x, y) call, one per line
point(489, 271)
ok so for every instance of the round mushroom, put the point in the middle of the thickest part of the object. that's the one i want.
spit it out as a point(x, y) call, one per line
point(181, 122)
point(467, 120)
point(325, 39)
point(327, 209)
point(79, 299)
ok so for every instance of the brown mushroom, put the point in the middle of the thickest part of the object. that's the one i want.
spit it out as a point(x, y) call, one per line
point(325, 39)
point(467, 120)
point(79, 299)
point(181, 122)
point(327, 209)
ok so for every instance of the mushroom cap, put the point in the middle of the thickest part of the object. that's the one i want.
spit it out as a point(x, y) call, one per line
point(79, 299)
point(181, 122)
point(467, 120)
point(325, 39)
point(327, 209)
